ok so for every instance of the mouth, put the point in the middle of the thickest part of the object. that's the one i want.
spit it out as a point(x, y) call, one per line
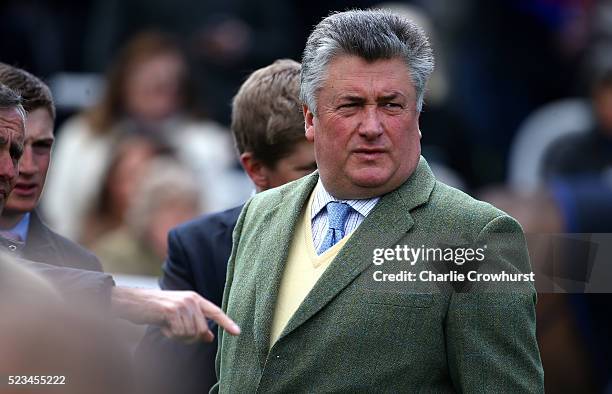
point(369, 153)
point(25, 189)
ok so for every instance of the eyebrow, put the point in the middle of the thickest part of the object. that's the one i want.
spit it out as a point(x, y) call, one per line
point(357, 99)
point(43, 140)
point(390, 97)
point(350, 98)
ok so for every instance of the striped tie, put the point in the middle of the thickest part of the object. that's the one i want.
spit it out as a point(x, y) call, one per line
point(337, 213)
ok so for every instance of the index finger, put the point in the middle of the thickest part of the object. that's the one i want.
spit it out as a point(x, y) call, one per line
point(215, 313)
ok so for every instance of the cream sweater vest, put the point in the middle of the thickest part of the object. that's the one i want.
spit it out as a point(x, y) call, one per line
point(302, 271)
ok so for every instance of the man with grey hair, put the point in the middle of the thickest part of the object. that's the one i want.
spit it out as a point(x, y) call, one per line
point(12, 118)
point(305, 280)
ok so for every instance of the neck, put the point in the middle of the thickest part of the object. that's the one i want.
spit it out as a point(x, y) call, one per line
point(10, 219)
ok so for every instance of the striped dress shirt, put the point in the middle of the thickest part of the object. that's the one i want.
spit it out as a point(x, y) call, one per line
point(318, 213)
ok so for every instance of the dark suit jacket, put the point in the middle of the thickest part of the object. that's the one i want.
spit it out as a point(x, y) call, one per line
point(46, 246)
point(197, 260)
point(77, 286)
point(73, 270)
point(353, 334)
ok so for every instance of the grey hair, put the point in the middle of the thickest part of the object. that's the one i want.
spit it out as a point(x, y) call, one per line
point(371, 35)
point(10, 99)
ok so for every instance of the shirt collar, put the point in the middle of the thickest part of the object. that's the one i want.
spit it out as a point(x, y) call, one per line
point(21, 228)
point(322, 197)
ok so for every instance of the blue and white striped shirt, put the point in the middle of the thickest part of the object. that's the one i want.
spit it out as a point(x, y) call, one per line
point(318, 213)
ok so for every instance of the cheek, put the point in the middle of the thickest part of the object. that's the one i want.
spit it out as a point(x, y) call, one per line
point(42, 162)
point(401, 134)
point(331, 139)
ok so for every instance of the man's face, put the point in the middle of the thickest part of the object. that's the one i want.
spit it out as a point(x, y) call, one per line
point(11, 149)
point(299, 163)
point(366, 133)
point(34, 163)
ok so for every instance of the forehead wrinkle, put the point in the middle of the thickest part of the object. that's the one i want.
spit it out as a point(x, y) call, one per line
point(372, 88)
point(379, 97)
point(11, 121)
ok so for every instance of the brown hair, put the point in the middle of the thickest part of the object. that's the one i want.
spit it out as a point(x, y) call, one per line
point(267, 117)
point(141, 47)
point(34, 92)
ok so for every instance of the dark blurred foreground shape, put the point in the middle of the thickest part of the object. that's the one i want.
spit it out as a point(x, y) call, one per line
point(40, 334)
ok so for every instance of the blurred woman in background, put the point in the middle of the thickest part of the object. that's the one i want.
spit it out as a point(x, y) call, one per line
point(128, 164)
point(148, 91)
point(166, 196)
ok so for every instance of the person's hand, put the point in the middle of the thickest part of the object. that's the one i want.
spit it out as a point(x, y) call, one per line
point(181, 314)
point(185, 314)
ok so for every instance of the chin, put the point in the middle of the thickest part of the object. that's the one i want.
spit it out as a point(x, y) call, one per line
point(370, 178)
point(368, 183)
point(19, 207)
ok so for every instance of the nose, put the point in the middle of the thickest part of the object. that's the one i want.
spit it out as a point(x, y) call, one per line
point(27, 166)
point(371, 126)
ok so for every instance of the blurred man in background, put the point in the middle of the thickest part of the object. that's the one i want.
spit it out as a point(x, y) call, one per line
point(20, 223)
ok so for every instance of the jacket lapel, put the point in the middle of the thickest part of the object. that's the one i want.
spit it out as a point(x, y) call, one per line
point(39, 246)
point(384, 227)
point(276, 238)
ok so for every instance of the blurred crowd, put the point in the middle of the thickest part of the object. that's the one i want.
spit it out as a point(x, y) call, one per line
point(518, 113)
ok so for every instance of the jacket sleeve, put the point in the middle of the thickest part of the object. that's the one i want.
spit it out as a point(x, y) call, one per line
point(76, 285)
point(490, 329)
point(188, 368)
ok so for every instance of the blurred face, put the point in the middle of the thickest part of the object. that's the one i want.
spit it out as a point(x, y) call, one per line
point(167, 217)
point(34, 162)
point(366, 133)
point(131, 167)
point(11, 149)
point(299, 163)
point(153, 88)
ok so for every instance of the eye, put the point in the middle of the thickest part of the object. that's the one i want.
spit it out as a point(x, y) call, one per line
point(42, 147)
point(43, 144)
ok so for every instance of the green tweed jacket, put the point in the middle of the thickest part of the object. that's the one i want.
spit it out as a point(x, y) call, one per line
point(353, 333)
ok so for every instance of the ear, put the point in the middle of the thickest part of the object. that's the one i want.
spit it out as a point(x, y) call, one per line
point(308, 123)
point(256, 170)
